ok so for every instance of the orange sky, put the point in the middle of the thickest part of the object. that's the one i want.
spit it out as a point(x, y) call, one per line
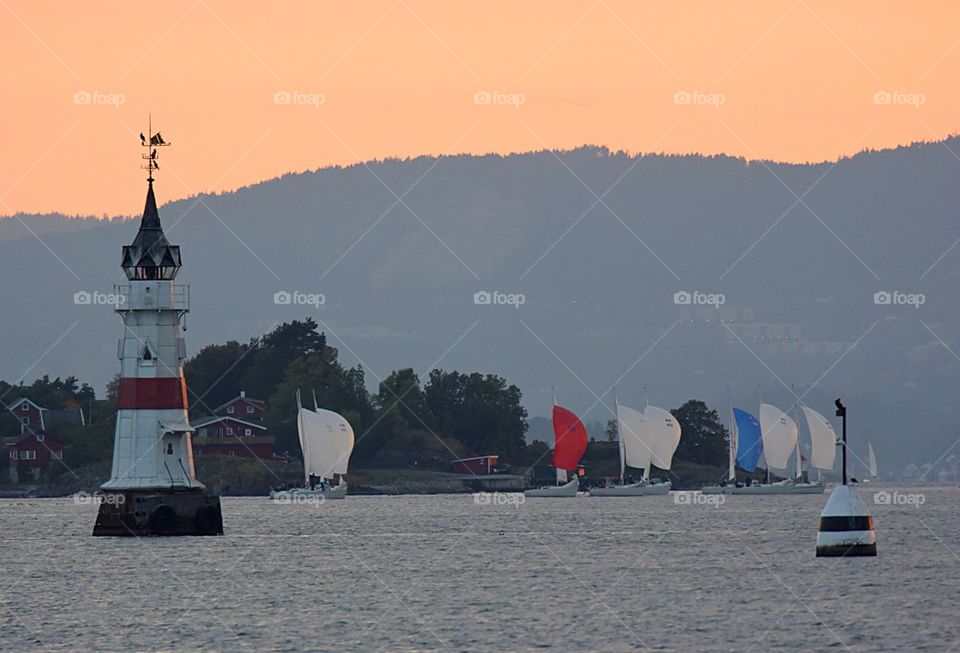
point(787, 80)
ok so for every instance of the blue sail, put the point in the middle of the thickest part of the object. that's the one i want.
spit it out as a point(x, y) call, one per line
point(749, 444)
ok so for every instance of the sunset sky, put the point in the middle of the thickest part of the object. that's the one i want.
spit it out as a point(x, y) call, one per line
point(249, 91)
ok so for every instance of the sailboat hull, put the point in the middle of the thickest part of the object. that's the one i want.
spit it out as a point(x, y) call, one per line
point(567, 490)
point(632, 490)
point(306, 495)
point(785, 487)
point(717, 489)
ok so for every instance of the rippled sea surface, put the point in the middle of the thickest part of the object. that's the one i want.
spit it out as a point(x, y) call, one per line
point(425, 573)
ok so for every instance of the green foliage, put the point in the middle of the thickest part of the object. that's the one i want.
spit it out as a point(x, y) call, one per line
point(481, 411)
point(704, 438)
point(469, 413)
point(612, 431)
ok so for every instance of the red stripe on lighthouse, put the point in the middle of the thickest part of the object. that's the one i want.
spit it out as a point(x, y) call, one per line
point(168, 392)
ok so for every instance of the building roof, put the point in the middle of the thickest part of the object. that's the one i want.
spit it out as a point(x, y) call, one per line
point(212, 419)
point(151, 255)
point(52, 415)
point(19, 401)
point(240, 397)
point(69, 415)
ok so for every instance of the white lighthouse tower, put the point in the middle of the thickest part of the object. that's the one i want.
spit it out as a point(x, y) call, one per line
point(153, 489)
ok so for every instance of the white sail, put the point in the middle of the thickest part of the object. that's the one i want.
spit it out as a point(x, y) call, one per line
point(343, 435)
point(336, 431)
point(634, 437)
point(664, 435)
point(872, 459)
point(320, 447)
point(779, 434)
point(823, 439)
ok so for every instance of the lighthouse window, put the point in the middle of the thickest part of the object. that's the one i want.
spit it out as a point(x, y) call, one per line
point(147, 356)
point(169, 448)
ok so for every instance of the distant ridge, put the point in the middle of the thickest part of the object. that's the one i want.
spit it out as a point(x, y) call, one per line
point(599, 278)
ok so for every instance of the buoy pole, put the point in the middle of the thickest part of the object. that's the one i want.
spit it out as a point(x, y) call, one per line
point(846, 527)
point(842, 414)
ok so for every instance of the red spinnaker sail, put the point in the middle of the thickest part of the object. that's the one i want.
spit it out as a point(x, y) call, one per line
point(570, 439)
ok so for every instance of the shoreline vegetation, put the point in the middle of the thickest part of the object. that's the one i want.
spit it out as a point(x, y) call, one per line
point(408, 431)
point(239, 477)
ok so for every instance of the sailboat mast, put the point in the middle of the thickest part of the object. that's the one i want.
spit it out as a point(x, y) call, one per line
point(796, 414)
point(561, 474)
point(731, 448)
point(304, 442)
point(766, 465)
point(616, 406)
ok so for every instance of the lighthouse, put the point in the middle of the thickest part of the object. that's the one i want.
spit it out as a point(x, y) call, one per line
point(153, 488)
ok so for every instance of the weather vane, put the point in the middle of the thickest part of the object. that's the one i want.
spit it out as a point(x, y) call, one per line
point(151, 142)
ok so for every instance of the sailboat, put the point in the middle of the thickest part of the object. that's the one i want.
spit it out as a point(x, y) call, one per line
point(646, 438)
point(776, 436)
point(780, 435)
point(744, 449)
point(823, 441)
point(570, 441)
point(326, 439)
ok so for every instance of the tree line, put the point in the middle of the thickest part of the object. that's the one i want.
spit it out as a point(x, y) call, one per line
point(409, 421)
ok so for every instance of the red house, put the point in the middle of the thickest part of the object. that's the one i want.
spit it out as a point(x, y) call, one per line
point(235, 429)
point(31, 453)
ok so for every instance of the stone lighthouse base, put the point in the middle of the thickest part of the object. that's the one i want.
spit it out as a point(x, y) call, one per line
point(168, 511)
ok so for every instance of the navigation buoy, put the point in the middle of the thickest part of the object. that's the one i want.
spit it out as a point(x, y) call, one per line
point(846, 528)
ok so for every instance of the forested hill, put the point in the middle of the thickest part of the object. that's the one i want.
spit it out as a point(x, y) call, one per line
point(598, 279)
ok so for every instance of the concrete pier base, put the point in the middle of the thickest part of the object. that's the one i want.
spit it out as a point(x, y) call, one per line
point(135, 513)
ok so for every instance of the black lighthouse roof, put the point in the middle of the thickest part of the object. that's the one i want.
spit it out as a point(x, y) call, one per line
point(151, 256)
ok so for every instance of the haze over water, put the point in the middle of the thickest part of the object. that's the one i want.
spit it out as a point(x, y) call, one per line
point(441, 573)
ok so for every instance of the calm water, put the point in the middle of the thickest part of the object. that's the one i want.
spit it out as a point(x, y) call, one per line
point(442, 573)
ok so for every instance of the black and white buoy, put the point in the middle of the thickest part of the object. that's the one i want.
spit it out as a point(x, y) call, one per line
point(846, 528)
